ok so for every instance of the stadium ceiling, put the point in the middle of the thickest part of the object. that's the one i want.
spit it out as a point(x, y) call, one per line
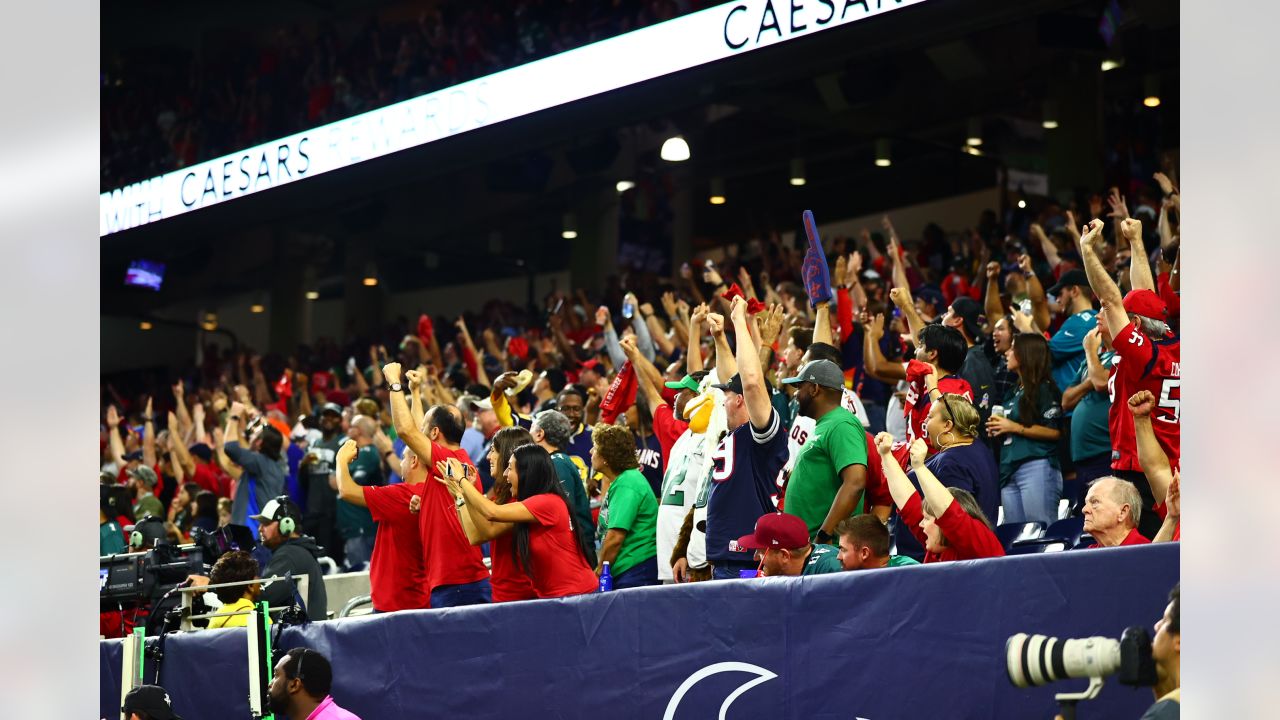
point(916, 76)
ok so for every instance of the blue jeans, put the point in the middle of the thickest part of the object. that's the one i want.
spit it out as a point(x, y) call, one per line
point(1032, 494)
point(730, 570)
point(358, 550)
point(646, 573)
point(473, 593)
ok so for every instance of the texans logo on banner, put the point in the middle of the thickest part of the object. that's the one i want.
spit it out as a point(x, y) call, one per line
point(759, 675)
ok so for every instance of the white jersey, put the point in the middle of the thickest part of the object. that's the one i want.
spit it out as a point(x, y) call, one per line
point(679, 489)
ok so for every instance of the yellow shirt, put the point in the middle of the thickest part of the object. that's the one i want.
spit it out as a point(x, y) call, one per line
point(241, 605)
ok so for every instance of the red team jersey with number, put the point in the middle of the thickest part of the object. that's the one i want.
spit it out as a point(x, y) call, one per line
point(1144, 364)
point(917, 403)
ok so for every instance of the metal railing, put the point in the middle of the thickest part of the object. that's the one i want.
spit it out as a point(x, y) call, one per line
point(188, 593)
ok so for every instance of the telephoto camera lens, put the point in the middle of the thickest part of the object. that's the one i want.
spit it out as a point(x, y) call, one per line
point(1040, 659)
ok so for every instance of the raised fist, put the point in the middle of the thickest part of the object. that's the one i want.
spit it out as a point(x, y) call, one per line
point(1142, 403)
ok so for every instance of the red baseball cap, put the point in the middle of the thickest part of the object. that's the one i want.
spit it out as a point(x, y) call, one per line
point(1146, 303)
point(777, 530)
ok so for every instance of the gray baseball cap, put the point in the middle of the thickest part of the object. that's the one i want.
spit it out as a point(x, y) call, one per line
point(823, 373)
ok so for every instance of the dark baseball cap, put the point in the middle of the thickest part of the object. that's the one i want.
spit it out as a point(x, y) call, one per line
point(202, 451)
point(971, 313)
point(823, 373)
point(1071, 277)
point(334, 408)
point(151, 700)
point(777, 530)
point(735, 385)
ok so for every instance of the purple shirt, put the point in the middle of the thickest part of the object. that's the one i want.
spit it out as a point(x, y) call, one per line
point(329, 710)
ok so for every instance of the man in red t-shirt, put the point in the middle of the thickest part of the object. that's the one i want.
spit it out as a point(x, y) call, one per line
point(454, 568)
point(1148, 358)
point(396, 577)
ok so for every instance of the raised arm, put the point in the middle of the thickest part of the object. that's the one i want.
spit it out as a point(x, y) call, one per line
point(184, 418)
point(348, 489)
point(1046, 245)
point(726, 364)
point(822, 324)
point(647, 376)
point(656, 334)
point(1039, 301)
point(113, 437)
point(900, 486)
point(895, 254)
point(901, 297)
point(1139, 263)
point(693, 358)
point(1095, 379)
point(1103, 286)
point(938, 497)
point(178, 448)
point(1150, 455)
point(402, 419)
point(992, 304)
point(748, 367)
point(375, 362)
point(874, 361)
point(148, 437)
point(418, 412)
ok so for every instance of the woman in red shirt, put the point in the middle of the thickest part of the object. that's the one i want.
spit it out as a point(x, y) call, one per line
point(508, 580)
point(948, 522)
point(544, 543)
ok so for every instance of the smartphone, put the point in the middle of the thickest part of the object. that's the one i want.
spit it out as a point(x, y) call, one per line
point(628, 310)
point(1025, 306)
point(559, 305)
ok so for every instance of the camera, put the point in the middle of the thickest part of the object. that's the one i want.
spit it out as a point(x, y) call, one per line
point(1039, 659)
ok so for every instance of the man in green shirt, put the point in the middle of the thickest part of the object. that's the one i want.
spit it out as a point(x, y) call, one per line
point(782, 547)
point(864, 544)
point(355, 523)
point(143, 481)
point(628, 524)
point(830, 472)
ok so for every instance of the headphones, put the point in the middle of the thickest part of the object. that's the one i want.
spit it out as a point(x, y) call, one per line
point(287, 523)
point(299, 675)
point(136, 538)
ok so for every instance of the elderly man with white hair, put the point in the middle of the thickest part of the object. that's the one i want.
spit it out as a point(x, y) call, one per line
point(1112, 510)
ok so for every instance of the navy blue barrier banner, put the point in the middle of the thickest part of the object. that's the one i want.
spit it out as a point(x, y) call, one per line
point(913, 642)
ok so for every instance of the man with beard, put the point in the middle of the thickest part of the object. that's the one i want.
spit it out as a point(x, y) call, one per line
point(300, 688)
point(830, 472)
point(317, 471)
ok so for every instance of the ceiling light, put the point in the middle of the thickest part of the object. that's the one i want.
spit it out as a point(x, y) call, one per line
point(717, 192)
point(370, 274)
point(1022, 204)
point(1049, 120)
point(675, 149)
point(1110, 64)
point(259, 305)
point(144, 325)
point(974, 136)
point(624, 185)
point(570, 230)
point(882, 153)
point(797, 171)
point(970, 150)
point(1151, 87)
point(313, 295)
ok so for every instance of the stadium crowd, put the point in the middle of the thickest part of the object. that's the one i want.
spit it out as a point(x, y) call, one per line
point(237, 93)
point(872, 403)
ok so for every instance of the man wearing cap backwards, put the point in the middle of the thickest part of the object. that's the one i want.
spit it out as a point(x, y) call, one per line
point(748, 459)
point(1149, 359)
point(782, 547)
point(290, 553)
point(148, 702)
point(1067, 345)
point(830, 471)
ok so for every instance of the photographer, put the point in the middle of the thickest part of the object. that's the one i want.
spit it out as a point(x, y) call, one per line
point(1166, 650)
point(290, 553)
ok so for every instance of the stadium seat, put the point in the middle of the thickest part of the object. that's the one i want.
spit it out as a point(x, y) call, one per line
point(1068, 529)
point(1085, 541)
point(1009, 533)
point(1038, 545)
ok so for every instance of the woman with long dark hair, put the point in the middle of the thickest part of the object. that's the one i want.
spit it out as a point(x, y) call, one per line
point(1030, 478)
point(509, 582)
point(206, 517)
point(182, 509)
point(545, 545)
